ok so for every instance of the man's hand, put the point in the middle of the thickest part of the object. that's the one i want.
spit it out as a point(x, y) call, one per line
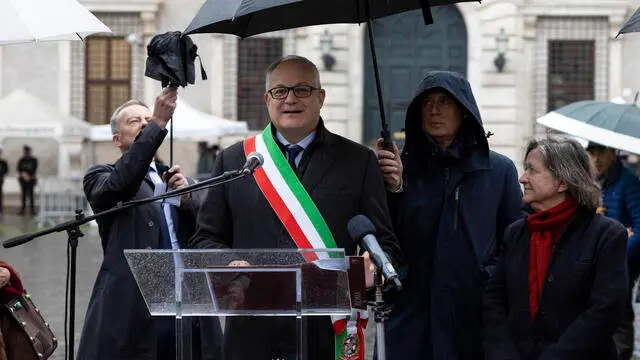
point(369, 270)
point(390, 166)
point(5, 277)
point(177, 180)
point(165, 106)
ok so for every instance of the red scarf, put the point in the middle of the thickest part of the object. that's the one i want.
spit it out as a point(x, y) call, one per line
point(545, 228)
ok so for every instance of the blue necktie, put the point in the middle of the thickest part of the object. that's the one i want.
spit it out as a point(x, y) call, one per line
point(165, 237)
point(292, 153)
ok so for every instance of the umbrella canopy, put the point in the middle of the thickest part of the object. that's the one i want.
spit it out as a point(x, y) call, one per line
point(632, 24)
point(250, 17)
point(603, 122)
point(171, 59)
point(46, 20)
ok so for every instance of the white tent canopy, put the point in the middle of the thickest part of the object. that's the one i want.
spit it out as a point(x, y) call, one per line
point(188, 124)
point(24, 115)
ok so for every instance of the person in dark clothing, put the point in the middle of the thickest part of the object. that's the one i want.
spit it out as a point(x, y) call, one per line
point(451, 199)
point(340, 178)
point(205, 162)
point(560, 286)
point(4, 170)
point(118, 324)
point(620, 191)
point(27, 167)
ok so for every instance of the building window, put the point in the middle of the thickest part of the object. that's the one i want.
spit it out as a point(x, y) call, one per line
point(108, 77)
point(254, 57)
point(571, 75)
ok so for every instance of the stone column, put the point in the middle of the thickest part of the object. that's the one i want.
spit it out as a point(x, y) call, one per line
point(151, 87)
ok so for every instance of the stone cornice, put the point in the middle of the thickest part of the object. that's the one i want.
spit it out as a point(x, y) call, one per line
point(122, 5)
point(616, 11)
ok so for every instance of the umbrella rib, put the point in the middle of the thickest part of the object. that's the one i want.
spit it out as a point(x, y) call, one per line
point(622, 115)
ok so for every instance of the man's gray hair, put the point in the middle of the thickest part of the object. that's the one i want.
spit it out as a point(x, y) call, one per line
point(296, 58)
point(568, 161)
point(114, 118)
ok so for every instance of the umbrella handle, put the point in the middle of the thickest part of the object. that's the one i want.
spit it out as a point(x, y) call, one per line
point(387, 144)
point(385, 134)
point(171, 142)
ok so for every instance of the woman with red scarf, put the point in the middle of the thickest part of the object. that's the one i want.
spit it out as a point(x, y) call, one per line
point(14, 343)
point(560, 287)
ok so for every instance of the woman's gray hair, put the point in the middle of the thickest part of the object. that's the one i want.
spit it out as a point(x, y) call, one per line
point(114, 118)
point(296, 58)
point(568, 161)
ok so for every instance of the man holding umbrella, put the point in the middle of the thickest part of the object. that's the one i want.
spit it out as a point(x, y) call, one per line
point(341, 178)
point(451, 199)
point(621, 201)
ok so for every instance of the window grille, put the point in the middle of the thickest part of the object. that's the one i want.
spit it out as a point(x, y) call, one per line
point(254, 57)
point(571, 74)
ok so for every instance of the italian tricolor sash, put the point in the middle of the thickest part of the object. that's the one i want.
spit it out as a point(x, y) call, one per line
point(306, 226)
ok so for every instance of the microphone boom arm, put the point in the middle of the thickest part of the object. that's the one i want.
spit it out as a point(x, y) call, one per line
point(71, 224)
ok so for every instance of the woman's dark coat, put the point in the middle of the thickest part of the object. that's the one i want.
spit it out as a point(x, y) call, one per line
point(449, 220)
point(582, 299)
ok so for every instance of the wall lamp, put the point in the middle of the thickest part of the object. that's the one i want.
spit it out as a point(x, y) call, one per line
point(502, 42)
point(326, 45)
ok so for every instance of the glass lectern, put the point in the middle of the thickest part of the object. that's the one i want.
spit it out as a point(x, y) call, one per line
point(276, 283)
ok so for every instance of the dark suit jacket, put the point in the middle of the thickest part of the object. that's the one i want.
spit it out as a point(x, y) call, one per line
point(343, 179)
point(118, 324)
point(582, 299)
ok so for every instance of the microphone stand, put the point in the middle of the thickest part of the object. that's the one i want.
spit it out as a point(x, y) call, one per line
point(72, 228)
point(380, 313)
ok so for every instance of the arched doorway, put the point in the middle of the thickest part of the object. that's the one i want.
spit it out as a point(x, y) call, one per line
point(406, 49)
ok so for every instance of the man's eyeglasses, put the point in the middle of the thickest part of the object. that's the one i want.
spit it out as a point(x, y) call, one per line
point(440, 103)
point(300, 91)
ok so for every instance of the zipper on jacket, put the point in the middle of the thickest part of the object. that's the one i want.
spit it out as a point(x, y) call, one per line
point(455, 208)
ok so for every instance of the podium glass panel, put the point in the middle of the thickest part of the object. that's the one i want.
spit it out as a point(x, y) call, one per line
point(277, 283)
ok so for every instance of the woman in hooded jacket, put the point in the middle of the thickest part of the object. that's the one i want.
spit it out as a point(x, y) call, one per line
point(559, 289)
point(450, 199)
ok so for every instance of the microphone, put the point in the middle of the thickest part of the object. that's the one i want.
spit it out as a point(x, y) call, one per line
point(362, 232)
point(254, 161)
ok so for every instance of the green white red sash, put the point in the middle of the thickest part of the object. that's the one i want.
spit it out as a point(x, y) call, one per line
point(306, 226)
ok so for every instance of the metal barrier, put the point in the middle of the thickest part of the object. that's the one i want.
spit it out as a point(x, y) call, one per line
point(59, 198)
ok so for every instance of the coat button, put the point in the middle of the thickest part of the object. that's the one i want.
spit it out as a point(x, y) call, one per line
point(550, 278)
point(150, 224)
point(284, 239)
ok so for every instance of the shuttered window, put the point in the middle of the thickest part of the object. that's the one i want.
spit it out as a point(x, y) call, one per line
point(108, 77)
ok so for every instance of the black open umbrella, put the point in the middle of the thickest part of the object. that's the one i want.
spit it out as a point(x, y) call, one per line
point(244, 18)
point(632, 24)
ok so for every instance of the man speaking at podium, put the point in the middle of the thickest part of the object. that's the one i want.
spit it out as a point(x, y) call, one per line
point(341, 178)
